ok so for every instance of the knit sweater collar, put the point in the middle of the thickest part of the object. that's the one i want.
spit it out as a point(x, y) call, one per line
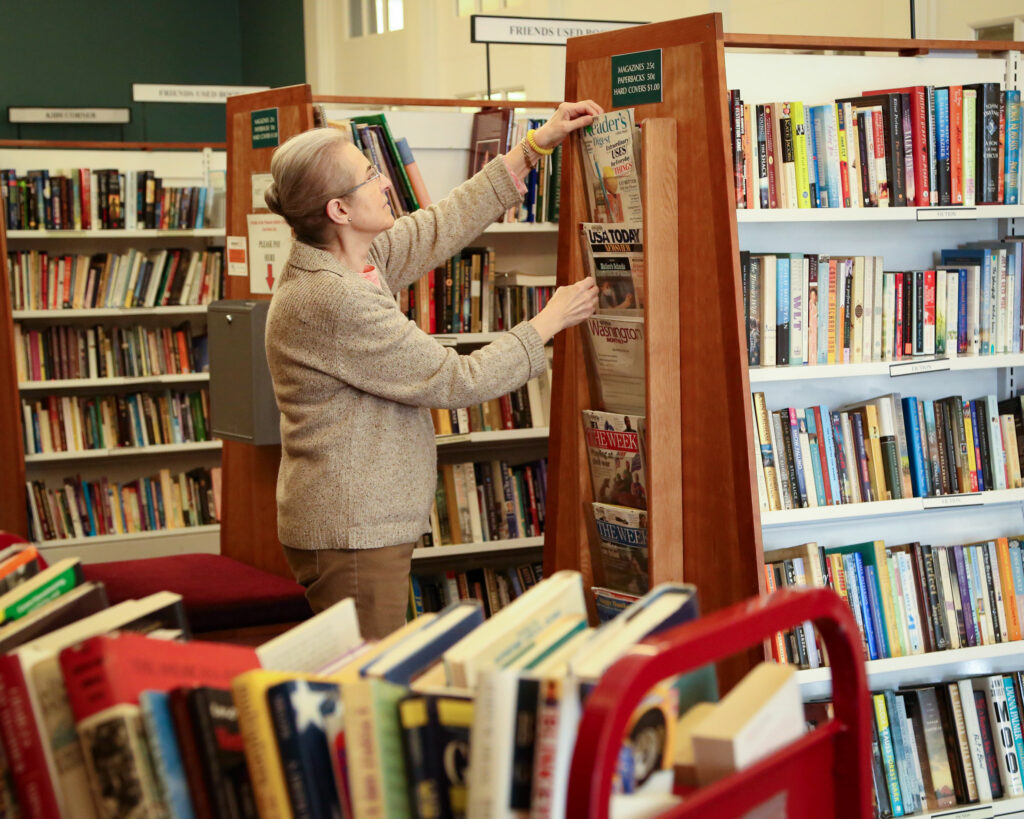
point(309, 258)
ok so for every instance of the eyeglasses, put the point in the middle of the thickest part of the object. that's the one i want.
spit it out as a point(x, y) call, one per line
point(375, 175)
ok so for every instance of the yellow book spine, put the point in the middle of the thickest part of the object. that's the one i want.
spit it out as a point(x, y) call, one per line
point(249, 691)
point(885, 587)
point(875, 457)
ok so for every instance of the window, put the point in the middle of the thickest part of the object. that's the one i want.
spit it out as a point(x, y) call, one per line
point(375, 16)
point(464, 8)
point(1012, 29)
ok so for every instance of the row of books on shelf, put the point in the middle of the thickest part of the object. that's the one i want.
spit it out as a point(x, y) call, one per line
point(452, 715)
point(63, 352)
point(817, 309)
point(134, 278)
point(938, 746)
point(528, 407)
point(496, 131)
point(886, 448)
point(102, 199)
point(488, 500)
point(75, 423)
point(89, 508)
point(468, 295)
point(957, 145)
point(494, 587)
point(908, 598)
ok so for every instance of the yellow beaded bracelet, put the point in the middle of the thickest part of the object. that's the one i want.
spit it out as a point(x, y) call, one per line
point(536, 148)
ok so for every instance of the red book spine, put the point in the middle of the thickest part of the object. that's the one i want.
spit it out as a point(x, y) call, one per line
point(919, 141)
point(769, 147)
point(956, 143)
point(85, 186)
point(898, 335)
point(507, 421)
point(929, 307)
point(114, 668)
point(884, 193)
point(23, 744)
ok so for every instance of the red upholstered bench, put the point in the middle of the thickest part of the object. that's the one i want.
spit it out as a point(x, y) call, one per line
point(220, 594)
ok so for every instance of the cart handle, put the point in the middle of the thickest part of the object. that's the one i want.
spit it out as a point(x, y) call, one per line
point(702, 641)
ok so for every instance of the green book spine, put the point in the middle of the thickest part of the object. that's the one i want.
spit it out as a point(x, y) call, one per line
point(403, 177)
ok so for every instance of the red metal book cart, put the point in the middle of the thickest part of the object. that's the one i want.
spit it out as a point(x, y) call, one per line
point(826, 773)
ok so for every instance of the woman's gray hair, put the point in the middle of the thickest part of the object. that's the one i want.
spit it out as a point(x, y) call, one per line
point(307, 174)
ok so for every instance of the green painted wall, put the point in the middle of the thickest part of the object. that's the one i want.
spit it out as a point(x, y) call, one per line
point(88, 53)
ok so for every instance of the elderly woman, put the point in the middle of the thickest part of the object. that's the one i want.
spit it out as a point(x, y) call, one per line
point(354, 378)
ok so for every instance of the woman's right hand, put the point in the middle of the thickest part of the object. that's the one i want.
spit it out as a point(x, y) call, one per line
point(568, 307)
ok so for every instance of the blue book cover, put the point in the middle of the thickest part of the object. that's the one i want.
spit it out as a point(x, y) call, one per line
point(901, 761)
point(166, 753)
point(812, 155)
point(798, 461)
point(305, 714)
point(1013, 269)
point(201, 209)
point(416, 595)
point(783, 298)
point(821, 157)
point(914, 438)
point(911, 783)
point(1017, 568)
point(853, 592)
point(941, 96)
point(1012, 142)
point(885, 745)
point(962, 342)
point(407, 659)
point(827, 435)
point(1011, 704)
point(815, 445)
point(877, 613)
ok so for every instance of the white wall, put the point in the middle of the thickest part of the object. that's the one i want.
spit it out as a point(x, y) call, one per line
point(433, 57)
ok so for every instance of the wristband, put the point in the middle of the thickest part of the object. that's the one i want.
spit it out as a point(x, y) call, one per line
point(535, 147)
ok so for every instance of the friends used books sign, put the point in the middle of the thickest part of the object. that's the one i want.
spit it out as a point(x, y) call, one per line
point(552, 31)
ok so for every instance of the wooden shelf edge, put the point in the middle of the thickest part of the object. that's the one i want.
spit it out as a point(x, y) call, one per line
point(905, 47)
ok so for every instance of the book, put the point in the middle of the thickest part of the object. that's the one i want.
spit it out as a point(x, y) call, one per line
point(315, 643)
point(762, 713)
point(511, 632)
point(489, 137)
point(307, 717)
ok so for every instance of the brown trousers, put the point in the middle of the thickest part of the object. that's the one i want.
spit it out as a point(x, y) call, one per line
point(377, 579)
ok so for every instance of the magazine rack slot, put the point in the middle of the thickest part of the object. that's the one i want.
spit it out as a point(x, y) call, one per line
point(661, 353)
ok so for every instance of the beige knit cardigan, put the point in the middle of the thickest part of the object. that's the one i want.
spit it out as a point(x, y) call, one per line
point(354, 378)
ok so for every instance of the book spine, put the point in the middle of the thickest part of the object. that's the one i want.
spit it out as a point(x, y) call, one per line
point(888, 757)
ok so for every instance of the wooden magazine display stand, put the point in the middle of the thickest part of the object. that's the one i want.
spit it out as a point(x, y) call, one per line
point(703, 514)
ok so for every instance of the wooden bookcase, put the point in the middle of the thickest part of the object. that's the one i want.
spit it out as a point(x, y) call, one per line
point(704, 524)
point(249, 526)
point(180, 164)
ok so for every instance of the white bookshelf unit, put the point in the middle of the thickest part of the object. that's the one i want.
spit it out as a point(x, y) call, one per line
point(200, 167)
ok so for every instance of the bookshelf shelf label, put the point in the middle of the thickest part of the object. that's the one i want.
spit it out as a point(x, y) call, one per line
point(944, 501)
point(944, 214)
point(978, 812)
point(636, 78)
point(914, 367)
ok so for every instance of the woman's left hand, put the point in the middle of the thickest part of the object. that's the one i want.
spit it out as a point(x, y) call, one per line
point(569, 117)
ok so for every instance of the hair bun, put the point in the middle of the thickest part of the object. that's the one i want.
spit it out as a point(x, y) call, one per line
point(270, 197)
